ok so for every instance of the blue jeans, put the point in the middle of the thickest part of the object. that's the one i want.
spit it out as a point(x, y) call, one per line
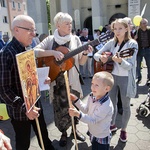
point(145, 52)
point(98, 146)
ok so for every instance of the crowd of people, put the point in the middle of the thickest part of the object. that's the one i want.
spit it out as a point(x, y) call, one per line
point(106, 88)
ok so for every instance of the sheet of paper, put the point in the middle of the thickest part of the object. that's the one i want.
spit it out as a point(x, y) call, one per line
point(42, 75)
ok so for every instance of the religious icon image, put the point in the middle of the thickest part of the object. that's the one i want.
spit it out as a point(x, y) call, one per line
point(28, 77)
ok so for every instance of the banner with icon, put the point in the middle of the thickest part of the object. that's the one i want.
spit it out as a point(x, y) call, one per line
point(28, 77)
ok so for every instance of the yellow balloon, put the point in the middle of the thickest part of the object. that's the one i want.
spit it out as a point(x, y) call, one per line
point(136, 20)
point(3, 112)
point(100, 28)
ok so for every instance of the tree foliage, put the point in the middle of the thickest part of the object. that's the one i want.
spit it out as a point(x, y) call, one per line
point(48, 14)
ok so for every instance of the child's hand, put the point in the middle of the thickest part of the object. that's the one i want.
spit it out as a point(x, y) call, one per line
point(47, 81)
point(73, 97)
point(74, 112)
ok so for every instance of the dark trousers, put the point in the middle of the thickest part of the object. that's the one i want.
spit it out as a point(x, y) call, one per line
point(98, 146)
point(146, 54)
point(23, 131)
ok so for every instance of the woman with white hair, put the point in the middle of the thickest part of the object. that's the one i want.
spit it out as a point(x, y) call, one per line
point(63, 37)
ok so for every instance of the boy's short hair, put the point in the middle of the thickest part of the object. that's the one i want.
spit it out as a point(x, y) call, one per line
point(106, 77)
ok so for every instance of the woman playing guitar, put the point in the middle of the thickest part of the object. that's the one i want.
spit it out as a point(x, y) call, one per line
point(56, 46)
point(124, 71)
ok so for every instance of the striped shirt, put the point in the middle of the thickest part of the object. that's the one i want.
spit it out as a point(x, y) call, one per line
point(105, 140)
point(10, 87)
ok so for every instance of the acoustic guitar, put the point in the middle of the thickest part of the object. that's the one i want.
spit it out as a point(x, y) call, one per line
point(108, 66)
point(68, 61)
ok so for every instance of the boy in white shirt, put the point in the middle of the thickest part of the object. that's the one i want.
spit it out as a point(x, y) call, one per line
point(98, 111)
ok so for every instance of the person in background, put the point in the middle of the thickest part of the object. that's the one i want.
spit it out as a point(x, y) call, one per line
point(73, 32)
point(130, 26)
point(108, 30)
point(88, 65)
point(97, 33)
point(1, 43)
point(104, 30)
point(98, 110)
point(23, 30)
point(78, 33)
point(5, 143)
point(124, 72)
point(42, 36)
point(6, 39)
point(143, 38)
point(63, 37)
point(35, 40)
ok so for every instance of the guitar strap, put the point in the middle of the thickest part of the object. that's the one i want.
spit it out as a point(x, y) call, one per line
point(80, 77)
point(122, 44)
point(55, 44)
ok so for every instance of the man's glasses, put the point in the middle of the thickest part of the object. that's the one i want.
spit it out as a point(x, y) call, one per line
point(28, 29)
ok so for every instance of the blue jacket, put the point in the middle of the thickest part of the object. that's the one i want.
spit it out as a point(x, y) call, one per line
point(1, 44)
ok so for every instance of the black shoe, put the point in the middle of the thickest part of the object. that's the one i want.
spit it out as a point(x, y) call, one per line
point(63, 140)
point(51, 147)
point(80, 136)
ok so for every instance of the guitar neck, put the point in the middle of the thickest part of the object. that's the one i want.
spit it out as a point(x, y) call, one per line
point(80, 49)
point(123, 54)
point(101, 38)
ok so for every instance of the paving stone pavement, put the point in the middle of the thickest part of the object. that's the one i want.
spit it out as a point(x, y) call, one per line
point(138, 128)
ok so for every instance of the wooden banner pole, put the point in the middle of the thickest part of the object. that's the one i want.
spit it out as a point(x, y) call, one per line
point(70, 105)
point(39, 132)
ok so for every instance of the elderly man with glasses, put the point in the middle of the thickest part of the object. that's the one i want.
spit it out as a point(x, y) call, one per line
point(23, 28)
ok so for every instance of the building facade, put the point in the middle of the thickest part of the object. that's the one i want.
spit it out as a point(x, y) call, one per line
point(4, 20)
point(85, 13)
point(95, 13)
point(9, 9)
point(38, 11)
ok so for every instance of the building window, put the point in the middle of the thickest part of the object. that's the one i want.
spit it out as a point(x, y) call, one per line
point(3, 4)
point(13, 5)
point(19, 6)
point(5, 19)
